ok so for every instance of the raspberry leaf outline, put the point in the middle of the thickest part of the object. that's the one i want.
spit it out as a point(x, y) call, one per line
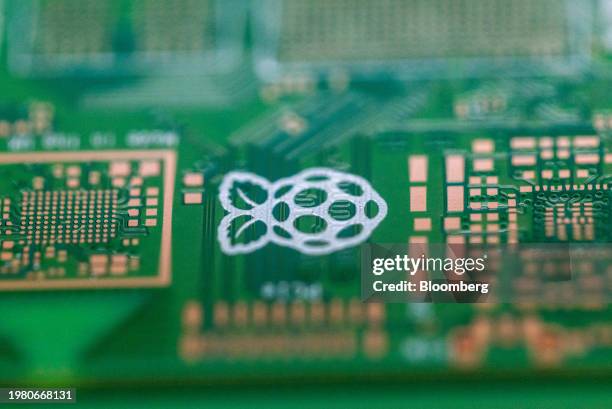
point(249, 201)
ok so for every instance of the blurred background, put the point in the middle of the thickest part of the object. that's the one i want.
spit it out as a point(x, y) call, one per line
point(274, 86)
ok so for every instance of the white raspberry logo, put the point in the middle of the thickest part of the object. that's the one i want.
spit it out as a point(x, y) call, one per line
point(317, 211)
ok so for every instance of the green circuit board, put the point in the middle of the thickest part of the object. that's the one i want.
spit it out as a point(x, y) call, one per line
point(171, 214)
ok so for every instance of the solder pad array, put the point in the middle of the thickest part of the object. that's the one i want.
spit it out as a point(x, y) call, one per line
point(86, 219)
point(493, 194)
